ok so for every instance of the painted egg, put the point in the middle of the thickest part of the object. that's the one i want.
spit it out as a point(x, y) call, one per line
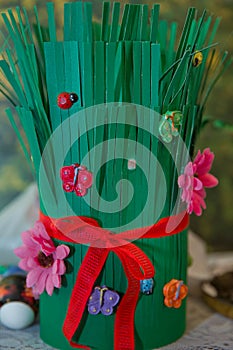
point(16, 315)
point(13, 288)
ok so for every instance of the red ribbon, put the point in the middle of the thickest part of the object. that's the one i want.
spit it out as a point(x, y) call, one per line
point(136, 264)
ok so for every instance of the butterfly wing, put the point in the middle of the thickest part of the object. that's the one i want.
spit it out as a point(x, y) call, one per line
point(94, 303)
point(85, 178)
point(165, 130)
point(80, 190)
point(110, 300)
point(67, 176)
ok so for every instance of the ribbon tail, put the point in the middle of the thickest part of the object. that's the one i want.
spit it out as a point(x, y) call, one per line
point(124, 322)
point(90, 269)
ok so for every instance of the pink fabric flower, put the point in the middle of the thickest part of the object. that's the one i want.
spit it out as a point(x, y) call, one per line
point(43, 261)
point(194, 180)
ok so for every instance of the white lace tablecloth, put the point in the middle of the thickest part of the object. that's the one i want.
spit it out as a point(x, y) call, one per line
point(215, 333)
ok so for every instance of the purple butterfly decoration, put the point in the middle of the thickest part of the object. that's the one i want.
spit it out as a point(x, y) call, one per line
point(102, 300)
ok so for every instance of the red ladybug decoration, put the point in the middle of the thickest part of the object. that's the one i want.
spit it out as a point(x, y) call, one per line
point(76, 178)
point(65, 100)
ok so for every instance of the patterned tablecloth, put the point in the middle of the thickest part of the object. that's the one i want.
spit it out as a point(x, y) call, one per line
point(215, 333)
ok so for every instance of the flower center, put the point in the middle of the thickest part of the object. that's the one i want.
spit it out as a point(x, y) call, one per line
point(45, 261)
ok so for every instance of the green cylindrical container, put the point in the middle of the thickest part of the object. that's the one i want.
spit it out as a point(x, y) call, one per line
point(153, 192)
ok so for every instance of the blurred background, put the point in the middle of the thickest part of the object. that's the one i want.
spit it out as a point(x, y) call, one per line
point(216, 223)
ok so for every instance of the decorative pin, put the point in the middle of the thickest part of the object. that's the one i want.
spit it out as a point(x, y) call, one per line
point(76, 179)
point(169, 125)
point(65, 100)
point(102, 300)
point(132, 164)
point(147, 286)
point(197, 59)
point(174, 292)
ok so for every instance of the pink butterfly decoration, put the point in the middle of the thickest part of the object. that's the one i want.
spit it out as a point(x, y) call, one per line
point(76, 178)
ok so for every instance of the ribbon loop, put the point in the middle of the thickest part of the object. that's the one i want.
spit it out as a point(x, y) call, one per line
point(137, 261)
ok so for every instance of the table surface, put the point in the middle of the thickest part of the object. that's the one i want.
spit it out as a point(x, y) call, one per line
point(206, 330)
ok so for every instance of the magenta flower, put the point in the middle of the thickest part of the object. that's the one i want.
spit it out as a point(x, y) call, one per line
point(194, 180)
point(43, 261)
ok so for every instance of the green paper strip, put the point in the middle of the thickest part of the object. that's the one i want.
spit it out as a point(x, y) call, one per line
point(99, 72)
point(154, 23)
point(10, 77)
point(185, 33)
point(144, 23)
point(137, 62)
point(155, 73)
point(110, 71)
point(21, 141)
point(88, 21)
point(146, 74)
point(105, 20)
point(51, 21)
point(115, 20)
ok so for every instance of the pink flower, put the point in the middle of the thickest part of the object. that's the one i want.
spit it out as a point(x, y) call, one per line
point(43, 261)
point(194, 180)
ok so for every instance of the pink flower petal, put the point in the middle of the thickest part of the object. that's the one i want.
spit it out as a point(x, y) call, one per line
point(188, 182)
point(41, 231)
point(188, 170)
point(27, 239)
point(33, 276)
point(198, 157)
point(56, 281)
point(32, 262)
point(49, 285)
point(204, 161)
point(185, 181)
point(181, 181)
point(48, 247)
point(209, 180)
point(62, 251)
point(55, 267)
point(186, 195)
point(197, 184)
point(201, 192)
point(198, 204)
point(59, 267)
point(35, 294)
point(23, 265)
point(190, 208)
point(197, 209)
point(28, 264)
point(40, 285)
point(62, 267)
point(24, 252)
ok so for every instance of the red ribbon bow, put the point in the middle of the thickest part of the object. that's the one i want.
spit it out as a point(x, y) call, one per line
point(136, 264)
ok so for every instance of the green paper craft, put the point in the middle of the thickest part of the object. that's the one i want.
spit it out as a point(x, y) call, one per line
point(118, 60)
